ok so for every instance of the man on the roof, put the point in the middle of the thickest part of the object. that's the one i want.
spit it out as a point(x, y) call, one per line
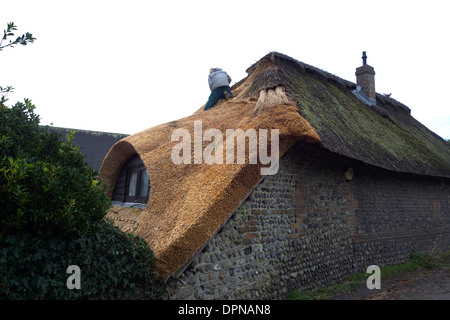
point(219, 83)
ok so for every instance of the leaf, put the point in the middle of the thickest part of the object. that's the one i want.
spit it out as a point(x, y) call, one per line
point(20, 213)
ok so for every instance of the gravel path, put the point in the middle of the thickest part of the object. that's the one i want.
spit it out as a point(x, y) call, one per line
point(415, 285)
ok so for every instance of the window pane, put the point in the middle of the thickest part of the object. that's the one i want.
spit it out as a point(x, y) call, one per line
point(143, 183)
point(132, 184)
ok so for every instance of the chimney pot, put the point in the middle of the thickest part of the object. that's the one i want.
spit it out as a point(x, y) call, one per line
point(365, 78)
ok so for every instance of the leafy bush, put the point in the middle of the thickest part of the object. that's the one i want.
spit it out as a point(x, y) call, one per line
point(45, 183)
point(52, 215)
point(113, 265)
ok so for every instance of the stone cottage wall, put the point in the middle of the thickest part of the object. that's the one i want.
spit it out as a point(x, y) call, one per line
point(307, 227)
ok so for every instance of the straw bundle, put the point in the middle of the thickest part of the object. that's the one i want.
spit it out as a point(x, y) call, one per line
point(269, 98)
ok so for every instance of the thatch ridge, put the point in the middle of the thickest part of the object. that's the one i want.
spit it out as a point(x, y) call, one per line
point(275, 57)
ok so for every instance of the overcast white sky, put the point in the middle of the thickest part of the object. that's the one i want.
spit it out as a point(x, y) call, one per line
point(125, 66)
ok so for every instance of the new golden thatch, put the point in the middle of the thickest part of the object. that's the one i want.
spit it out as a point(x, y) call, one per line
point(189, 202)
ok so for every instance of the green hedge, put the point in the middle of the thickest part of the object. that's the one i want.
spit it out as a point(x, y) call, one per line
point(113, 265)
point(52, 215)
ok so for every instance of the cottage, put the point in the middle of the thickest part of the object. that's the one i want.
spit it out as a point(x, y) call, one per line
point(359, 182)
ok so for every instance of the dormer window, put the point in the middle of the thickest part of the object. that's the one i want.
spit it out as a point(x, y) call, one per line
point(133, 184)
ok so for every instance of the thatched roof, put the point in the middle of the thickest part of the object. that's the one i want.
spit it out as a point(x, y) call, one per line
point(189, 202)
point(385, 135)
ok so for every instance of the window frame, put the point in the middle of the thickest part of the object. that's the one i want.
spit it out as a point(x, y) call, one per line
point(134, 164)
point(137, 197)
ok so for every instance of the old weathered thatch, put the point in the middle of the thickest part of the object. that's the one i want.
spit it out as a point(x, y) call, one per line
point(348, 127)
point(189, 202)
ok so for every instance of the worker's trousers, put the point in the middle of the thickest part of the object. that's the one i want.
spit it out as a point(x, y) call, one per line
point(216, 95)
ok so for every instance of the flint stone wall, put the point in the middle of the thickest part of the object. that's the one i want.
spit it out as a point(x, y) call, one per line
point(308, 227)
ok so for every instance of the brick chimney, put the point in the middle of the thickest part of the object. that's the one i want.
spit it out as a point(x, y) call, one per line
point(365, 78)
